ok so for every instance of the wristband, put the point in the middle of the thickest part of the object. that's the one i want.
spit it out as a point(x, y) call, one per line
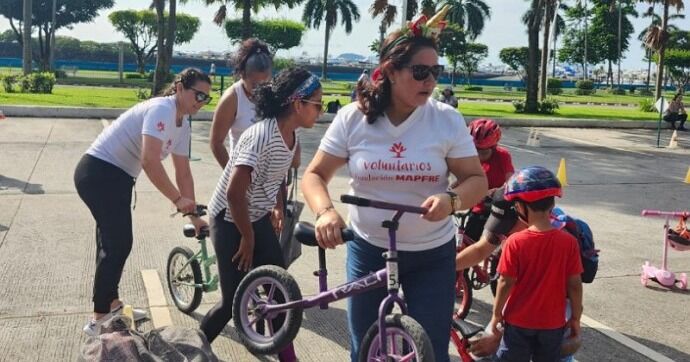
point(322, 212)
point(453, 201)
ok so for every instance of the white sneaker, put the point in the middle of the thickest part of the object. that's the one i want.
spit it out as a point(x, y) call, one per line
point(138, 314)
point(93, 327)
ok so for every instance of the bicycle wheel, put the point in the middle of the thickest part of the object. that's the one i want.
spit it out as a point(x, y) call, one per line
point(463, 294)
point(181, 276)
point(405, 341)
point(266, 334)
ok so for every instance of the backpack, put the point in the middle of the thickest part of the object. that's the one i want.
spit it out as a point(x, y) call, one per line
point(583, 233)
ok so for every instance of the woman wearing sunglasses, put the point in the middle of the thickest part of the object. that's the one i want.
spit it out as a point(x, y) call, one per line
point(240, 210)
point(139, 139)
point(399, 146)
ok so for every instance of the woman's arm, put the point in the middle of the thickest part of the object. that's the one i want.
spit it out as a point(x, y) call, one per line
point(183, 176)
point(223, 119)
point(153, 167)
point(236, 194)
point(472, 184)
point(314, 186)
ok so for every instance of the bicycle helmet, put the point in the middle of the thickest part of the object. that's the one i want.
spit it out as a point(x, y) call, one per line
point(486, 133)
point(531, 184)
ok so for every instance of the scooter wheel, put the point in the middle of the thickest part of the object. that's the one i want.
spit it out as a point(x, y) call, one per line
point(643, 279)
point(682, 283)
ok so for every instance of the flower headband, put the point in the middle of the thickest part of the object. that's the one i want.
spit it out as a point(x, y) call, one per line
point(305, 89)
point(421, 27)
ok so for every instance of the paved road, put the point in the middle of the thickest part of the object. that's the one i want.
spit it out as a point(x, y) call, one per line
point(47, 249)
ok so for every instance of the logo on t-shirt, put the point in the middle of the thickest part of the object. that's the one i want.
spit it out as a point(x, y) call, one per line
point(160, 126)
point(398, 149)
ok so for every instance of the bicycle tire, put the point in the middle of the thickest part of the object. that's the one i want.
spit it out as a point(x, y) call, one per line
point(262, 278)
point(463, 294)
point(187, 305)
point(410, 331)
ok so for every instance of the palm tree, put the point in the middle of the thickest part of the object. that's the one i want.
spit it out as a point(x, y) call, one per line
point(247, 6)
point(558, 28)
point(26, 34)
point(388, 13)
point(316, 11)
point(533, 20)
point(656, 21)
point(469, 14)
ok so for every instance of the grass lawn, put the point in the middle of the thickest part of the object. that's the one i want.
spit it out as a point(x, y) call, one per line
point(73, 96)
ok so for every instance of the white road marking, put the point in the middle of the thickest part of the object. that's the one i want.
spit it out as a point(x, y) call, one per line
point(158, 305)
point(523, 150)
point(577, 140)
point(624, 340)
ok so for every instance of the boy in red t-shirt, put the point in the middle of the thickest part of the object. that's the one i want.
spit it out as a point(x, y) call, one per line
point(539, 268)
point(497, 165)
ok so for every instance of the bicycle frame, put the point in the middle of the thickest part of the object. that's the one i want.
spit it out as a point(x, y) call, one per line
point(389, 275)
point(210, 283)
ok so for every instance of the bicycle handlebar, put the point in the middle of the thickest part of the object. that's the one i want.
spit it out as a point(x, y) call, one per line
point(360, 201)
point(665, 213)
point(200, 211)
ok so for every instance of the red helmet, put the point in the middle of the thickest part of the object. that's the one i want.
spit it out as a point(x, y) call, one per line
point(486, 133)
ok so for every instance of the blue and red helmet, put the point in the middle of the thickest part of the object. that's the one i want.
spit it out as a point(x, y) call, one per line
point(532, 184)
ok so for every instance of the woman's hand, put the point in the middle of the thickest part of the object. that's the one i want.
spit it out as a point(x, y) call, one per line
point(329, 229)
point(245, 254)
point(185, 205)
point(277, 218)
point(199, 224)
point(439, 207)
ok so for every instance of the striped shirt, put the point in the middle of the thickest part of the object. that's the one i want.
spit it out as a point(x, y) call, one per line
point(262, 148)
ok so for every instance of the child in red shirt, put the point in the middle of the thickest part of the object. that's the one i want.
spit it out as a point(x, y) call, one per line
point(497, 165)
point(539, 268)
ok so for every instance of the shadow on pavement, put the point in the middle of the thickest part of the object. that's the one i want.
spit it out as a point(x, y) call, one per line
point(3, 228)
point(23, 186)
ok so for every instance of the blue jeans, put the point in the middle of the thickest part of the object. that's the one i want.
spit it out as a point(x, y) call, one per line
point(523, 344)
point(428, 280)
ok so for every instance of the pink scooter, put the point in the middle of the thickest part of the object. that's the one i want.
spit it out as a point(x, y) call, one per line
point(662, 275)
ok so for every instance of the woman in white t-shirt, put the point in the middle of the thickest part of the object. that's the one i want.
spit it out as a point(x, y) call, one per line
point(139, 139)
point(399, 146)
point(247, 193)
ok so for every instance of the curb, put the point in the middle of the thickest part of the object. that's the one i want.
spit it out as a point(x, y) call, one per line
point(112, 113)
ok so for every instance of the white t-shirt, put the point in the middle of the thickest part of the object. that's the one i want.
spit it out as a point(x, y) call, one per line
point(245, 116)
point(263, 149)
point(120, 143)
point(404, 164)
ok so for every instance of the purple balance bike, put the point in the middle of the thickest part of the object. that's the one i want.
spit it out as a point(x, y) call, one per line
point(268, 303)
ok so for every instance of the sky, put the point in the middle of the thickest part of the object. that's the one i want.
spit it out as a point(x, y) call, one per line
point(504, 29)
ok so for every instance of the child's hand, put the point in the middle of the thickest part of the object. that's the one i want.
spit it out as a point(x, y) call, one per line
point(574, 326)
point(245, 254)
point(277, 218)
point(485, 346)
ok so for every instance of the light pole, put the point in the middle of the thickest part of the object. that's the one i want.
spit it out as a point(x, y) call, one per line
point(620, 34)
point(52, 38)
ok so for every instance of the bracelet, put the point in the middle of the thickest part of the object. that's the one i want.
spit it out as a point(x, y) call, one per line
point(325, 210)
point(453, 200)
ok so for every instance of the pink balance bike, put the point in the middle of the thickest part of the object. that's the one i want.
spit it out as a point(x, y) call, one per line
point(674, 239)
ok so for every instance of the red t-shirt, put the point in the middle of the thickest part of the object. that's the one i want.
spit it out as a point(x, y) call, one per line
point(541, 262)
point(497, 167)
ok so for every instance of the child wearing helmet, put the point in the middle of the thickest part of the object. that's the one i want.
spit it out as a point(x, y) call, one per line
point(540, 266)
point(497, 164)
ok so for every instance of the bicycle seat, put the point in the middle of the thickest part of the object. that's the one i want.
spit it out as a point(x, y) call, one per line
point(466, 329)
point(304, 233)
point(189, 231)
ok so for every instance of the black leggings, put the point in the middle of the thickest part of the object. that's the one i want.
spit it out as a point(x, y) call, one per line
point(675, 117)
point(107, 191)
point(226, 241)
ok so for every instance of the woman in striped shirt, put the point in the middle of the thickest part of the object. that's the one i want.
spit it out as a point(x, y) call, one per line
point(248, 192)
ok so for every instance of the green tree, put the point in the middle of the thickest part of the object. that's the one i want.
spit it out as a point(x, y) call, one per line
point(388, 13)
point(655, 22)
point(471, 15)
point(247, 6)
point(140, 28)
point(452, 44)
point(533, 21)
point(573, 47)
point(516, 58)
point(678, 65)
point(278, 33)
point(316, 11)
point(469, 59)
point(605, 31)
point(69, 12)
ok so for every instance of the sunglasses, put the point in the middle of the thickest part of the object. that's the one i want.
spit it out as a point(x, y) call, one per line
point(421, 72)
point(317, 103)
point(200, 96)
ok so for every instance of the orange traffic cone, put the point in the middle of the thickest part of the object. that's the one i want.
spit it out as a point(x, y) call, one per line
point(562, 174)
point(687, 176)
point(674, 140)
